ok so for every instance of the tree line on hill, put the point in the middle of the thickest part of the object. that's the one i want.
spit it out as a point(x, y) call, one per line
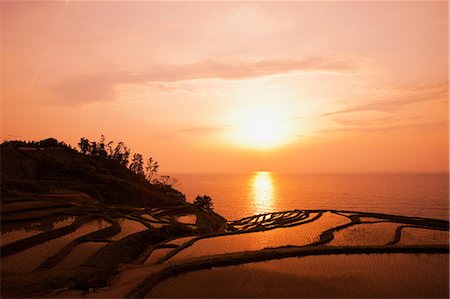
point(102, 148)
point(121, 154)
point(43, 144)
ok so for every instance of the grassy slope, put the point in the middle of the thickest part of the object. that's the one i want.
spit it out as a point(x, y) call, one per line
point(65, 171)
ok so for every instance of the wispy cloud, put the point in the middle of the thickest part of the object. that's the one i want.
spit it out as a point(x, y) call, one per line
point(359, 123)
point(427, 126)
point(395, 99)
point(401, 98)
point(100, 87)
point(49, 43)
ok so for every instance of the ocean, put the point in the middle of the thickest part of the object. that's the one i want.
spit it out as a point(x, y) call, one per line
point(237, 196)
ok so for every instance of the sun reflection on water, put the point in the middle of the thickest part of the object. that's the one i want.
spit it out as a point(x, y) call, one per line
point(262, 192)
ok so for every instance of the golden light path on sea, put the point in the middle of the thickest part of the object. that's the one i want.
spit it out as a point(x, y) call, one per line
point(262, 192)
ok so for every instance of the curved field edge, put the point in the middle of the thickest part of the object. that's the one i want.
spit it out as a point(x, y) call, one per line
point(270, 254)
point(100, 268)
point(316, 248)
point(327, 235)
point(95, 272)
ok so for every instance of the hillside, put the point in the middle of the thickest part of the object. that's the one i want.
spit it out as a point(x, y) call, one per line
point(70, 219)
point(61, 170)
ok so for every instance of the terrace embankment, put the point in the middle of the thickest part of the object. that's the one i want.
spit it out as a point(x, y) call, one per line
point(55, 200)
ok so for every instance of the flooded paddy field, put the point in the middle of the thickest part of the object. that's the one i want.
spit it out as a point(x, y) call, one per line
point(29, 259)
point(338, 276)
point(311, 254)
point(296, 235)
point(188, 219)
point(42, 235)
point(117, 251)
point(128, 227)
point(80, 254)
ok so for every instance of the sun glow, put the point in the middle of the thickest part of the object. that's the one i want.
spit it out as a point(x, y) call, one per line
point(262, 115)
point(261, 128)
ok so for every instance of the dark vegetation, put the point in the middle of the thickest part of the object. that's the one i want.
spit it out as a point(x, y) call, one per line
point(100, 171)
point(121, 154)
point(204, 203)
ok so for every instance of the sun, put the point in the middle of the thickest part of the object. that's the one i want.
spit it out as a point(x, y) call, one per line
point(261, 116)
point(260, 128)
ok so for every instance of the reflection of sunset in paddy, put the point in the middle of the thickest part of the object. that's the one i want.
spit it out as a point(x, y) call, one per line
point(262, 192)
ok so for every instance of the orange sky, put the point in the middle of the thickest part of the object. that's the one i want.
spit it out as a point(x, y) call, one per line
point(331, 86)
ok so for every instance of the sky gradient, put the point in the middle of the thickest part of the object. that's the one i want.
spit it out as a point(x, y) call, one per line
point(341, 86)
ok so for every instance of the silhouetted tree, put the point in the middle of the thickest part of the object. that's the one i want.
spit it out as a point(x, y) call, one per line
point(93, 150)
point(49, 142)
point(151, 169)
point(166, 180)
point(109, 149)
point(84, 145)
point(121, 154)
point(102, 147)
point(137, 164)
point(204, 203)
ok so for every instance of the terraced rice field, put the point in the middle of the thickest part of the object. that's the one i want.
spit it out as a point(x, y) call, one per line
point(29, 259)
point(128, 227)
point(343, 276)
point(328, 240)
point(44, 234)
point(188, 219)
point(298, 235)
point(80, 254)
point(300, 252)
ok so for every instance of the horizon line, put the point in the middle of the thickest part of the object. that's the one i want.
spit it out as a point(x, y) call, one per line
point(447, 172)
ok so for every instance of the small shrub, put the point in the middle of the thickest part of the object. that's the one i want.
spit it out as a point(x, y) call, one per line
point(204, 203)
